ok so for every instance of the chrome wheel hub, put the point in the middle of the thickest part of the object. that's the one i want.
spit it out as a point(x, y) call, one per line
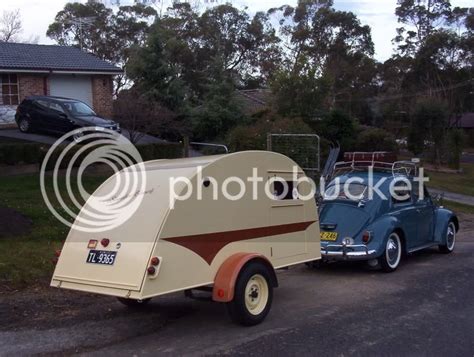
point(451, 236)
point(393, 251)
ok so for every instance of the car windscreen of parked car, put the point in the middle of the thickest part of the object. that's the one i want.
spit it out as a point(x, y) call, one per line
point(79, 108)
point(352, 191)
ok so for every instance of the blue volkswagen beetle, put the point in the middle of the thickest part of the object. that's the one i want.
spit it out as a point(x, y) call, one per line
point(361, 218)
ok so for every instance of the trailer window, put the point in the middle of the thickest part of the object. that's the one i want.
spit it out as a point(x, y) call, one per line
point(285, 190)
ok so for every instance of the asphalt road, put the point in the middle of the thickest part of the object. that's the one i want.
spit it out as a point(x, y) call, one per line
point(423, 309)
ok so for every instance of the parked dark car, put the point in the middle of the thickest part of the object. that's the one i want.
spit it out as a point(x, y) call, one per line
point(59, 115)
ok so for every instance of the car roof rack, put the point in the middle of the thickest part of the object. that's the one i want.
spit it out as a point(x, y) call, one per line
point(378, 161)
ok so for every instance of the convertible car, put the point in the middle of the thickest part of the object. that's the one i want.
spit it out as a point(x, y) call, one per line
point(357, 224)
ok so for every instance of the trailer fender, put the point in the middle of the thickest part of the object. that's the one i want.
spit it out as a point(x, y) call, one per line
point(226, 277)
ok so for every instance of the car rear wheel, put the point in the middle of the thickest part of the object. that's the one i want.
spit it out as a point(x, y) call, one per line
point(390, 259)
point(253, 295)
point(448, 247)
point(24, 125)
point(133, 303)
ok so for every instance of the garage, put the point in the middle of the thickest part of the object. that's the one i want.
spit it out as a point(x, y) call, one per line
point(71, 86)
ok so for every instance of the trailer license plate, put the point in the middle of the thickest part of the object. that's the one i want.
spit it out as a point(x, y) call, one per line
point(329, 236)
point(101, 257)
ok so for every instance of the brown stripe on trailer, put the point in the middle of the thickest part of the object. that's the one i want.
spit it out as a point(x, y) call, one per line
point(208, 245)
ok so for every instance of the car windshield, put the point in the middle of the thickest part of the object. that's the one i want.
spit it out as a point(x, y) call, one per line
point(341, 191)
point(78, 108)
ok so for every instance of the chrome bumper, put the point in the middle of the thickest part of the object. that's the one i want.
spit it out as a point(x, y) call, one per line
point(347, 252)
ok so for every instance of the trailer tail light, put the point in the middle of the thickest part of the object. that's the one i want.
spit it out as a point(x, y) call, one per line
point(151, 270)
point(92, 244)
point(366, 237)
point(105, 242)
point(155, 261)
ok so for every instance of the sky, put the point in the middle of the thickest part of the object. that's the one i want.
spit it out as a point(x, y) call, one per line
point(378, 14)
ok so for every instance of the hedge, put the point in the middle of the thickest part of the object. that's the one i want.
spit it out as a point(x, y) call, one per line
point(21, 154)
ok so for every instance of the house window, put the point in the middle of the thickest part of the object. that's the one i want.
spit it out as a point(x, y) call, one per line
point(9, 89)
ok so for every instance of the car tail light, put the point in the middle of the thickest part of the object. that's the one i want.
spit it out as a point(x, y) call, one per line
point(105, 242)
point(155, 261)
point(366, 237)
point(151, 270)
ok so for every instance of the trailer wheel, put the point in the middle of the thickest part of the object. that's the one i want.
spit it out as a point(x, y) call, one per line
point(253, 295)
point(133, 303)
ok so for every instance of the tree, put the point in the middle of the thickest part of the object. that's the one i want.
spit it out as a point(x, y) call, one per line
point(107, 34)
point(339, 127)
point(429, 123)
point(10, 26)
point(327, 46)
point(140, 116)
point(194, 62)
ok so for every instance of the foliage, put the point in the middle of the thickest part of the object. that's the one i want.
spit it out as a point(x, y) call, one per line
point(18, 154)
point(456, 143)
point(141, 115)
point(376, 139)
point(339, 127)
point(429, 122)
point(329, 50)
point(254, 136)
point(99, 30)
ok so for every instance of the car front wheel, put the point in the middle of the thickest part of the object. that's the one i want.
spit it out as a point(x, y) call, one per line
point(390, 259)
point(24, 125)
point(448, 247)
point(253, 295)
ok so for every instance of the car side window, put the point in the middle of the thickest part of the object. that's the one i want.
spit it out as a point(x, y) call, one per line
point(56, 108)
point(42, 105)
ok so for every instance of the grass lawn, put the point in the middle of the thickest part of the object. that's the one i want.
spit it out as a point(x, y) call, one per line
point(458, 207)
point(26, 259)
point(459, 183)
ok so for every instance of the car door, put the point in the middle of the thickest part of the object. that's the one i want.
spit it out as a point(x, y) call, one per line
point(59, 117)
point(425, 210)
point(39, 112)
point(406, 213)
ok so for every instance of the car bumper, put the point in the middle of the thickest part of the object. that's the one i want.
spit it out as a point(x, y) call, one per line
point(347, 252)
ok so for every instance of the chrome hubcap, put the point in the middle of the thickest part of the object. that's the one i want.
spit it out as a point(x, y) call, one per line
point(393, 250)
point(451, 236)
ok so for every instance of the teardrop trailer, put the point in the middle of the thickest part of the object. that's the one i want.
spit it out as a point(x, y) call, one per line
point(230, 247)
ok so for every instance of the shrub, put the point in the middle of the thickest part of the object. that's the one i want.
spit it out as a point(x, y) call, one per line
point(254, 136)
point(375, 139)
point(18, 154)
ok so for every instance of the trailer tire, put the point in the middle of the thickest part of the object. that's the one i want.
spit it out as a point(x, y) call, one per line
point(132, 303)
point(253, 295)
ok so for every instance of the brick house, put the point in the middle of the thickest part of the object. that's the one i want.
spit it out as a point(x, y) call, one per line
point(27, 69)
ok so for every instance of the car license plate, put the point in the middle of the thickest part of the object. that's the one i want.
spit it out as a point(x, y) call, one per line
point(101, 257)
point(329, 236)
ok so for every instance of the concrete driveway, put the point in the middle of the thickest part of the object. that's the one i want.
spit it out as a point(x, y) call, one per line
point(423, 309)
point(51, 139)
